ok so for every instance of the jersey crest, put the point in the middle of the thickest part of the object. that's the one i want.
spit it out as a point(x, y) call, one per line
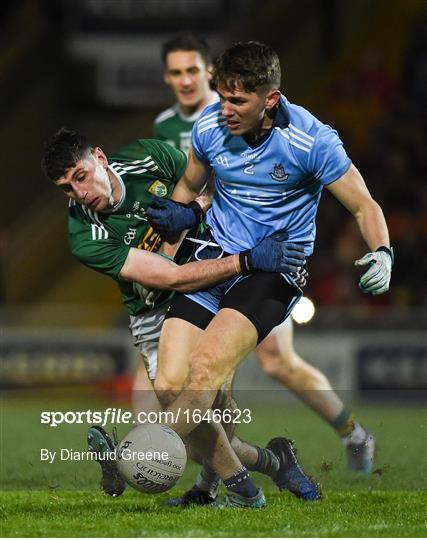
point(279, 173)
point(158, 189)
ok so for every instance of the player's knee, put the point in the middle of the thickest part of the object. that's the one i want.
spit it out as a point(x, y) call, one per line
point(166, 390)
point(166, 397)
point(282, 366)
point(291, 375)
point(168, 381)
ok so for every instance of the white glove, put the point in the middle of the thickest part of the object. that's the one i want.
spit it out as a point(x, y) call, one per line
point(376, 280)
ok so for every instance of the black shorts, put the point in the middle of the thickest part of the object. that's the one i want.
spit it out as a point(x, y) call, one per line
point(266, 299)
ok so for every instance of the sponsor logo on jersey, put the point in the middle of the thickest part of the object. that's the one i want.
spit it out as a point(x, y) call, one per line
point(158, 189)
point(138, 212)
point(248, 155)
point(129, 236)
point(222, 160)
point(138, 216)
point(279, 173)
point(151, 241)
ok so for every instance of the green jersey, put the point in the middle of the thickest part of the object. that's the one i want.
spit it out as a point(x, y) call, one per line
point(102, 240)
point(173, 127)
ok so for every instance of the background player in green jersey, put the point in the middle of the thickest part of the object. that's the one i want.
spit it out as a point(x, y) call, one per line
point(187, 62)
point(109, 232)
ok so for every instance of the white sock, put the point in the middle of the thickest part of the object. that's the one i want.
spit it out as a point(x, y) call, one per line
point(210, 484)
point(357, 436)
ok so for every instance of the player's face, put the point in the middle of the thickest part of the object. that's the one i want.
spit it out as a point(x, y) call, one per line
point(188, 76)
point(88, 182)
point(245, 111)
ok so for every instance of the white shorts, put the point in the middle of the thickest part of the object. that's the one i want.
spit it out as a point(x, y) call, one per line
point(287, 322)
point(146, 330)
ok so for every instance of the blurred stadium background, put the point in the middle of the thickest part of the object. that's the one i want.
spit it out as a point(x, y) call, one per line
point(94, 65)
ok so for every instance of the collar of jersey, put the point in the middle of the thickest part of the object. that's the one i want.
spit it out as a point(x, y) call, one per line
point(122, 198)
point(195, 116)
point(281, 120)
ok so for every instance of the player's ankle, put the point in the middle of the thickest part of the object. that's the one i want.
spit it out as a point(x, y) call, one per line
point(208, 481)
point(344, 423)
point(241, 484)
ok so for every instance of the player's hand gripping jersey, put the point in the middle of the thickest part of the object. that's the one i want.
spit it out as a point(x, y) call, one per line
point(274, 186)
point(102, 240)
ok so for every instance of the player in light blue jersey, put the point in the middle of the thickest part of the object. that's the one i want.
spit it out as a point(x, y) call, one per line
point(271, 161)
point(272, 184)
point(187, 71)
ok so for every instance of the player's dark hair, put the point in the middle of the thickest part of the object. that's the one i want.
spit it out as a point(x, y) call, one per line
point(249, 64)
point(62, 152)
point(188, 42)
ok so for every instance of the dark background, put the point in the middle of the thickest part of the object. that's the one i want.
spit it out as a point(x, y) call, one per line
point(94, 65)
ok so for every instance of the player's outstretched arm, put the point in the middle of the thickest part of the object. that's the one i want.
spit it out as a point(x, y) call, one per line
point(352, 192)
point(158, 272)
point(153, 270)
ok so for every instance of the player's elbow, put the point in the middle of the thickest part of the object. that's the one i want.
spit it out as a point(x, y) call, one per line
point(369, 208)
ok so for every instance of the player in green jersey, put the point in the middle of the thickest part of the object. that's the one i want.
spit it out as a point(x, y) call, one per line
point(187, 63)
point(109, 232)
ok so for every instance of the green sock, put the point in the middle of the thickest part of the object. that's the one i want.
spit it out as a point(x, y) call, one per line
point(267, 462)
point(344, 423)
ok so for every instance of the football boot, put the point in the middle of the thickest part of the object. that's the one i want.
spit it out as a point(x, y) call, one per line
point(234, 500)
point(100, 442)
point(360, 457)
point(290, 476)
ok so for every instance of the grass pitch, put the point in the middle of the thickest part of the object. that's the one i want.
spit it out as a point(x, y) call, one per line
point(90, 514)
point(62, 499)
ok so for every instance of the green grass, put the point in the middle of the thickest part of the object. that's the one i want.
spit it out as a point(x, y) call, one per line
point(62, 499)
point(86, 514)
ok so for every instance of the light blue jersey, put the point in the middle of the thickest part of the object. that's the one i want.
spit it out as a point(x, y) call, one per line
point(274, 186)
